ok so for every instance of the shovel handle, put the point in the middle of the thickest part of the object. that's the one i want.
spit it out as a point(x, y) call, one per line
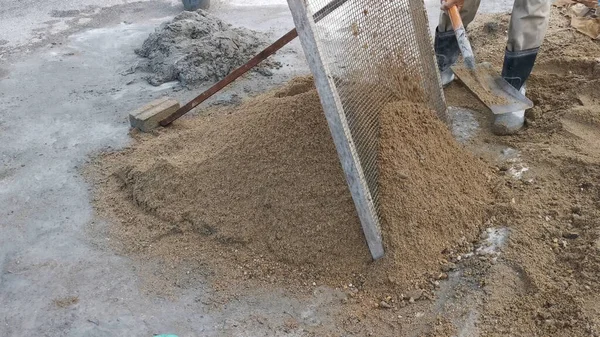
point(455, 18)
point(461, 36)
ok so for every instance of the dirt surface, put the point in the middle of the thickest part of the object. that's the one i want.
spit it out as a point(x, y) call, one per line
point(543, 282)
point(64, 96)
point(546, 280)
point(197, 47)
point(504, 246)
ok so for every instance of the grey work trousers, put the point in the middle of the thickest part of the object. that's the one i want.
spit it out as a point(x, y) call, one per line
point(528, 23)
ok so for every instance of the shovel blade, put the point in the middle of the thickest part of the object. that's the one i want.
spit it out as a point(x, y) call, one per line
point(492, 90)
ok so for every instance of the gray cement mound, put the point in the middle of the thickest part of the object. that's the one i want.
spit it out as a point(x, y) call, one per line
point(197, 47)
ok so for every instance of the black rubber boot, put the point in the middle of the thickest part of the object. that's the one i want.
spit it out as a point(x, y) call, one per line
point(518, 66)
point(516, 71)
point(446, 52)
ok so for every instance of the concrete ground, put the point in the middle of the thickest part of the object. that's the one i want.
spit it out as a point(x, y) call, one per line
point(65, 92)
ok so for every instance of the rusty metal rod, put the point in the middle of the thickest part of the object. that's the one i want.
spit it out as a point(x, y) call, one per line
point(270, 50)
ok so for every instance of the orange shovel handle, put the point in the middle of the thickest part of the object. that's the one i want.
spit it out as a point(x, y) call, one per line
point(455, 18)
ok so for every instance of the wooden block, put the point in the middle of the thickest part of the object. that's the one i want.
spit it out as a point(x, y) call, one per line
point(148, 117)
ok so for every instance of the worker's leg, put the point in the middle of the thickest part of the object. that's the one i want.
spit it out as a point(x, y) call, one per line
point(528, 26)
point(446, 46)
point(467, 14)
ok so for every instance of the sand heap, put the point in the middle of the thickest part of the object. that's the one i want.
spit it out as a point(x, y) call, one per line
point(257, 192)
point(198, 47)
point(433, 192)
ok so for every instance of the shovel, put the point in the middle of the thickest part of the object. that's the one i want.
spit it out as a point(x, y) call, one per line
point(494, 91)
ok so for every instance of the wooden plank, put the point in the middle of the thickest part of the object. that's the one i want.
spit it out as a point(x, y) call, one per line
point(338, 125)
point(148, 117)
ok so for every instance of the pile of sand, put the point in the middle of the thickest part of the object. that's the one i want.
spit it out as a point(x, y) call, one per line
point(434, 193)
point(257, 192)
point(197, 47)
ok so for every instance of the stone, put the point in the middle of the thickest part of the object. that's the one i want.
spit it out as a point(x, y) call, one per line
point(442, 276)
point(148, 117)
point(570, 235)
point(414, 295)
point(578, 220)
point(384, 305)
point(448, 267)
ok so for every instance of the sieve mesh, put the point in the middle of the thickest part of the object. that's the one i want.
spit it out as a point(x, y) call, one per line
point(359, 54)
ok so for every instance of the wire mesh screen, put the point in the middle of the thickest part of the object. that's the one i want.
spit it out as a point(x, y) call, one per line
point(361, 53)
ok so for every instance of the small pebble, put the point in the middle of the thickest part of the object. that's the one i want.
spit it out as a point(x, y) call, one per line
point(448, 267)
point(414, 295)
point(384, 305)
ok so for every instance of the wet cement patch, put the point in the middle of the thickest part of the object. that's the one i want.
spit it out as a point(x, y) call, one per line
point(4, 73)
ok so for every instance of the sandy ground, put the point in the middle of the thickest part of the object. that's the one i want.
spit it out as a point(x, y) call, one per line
point(64, 94)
